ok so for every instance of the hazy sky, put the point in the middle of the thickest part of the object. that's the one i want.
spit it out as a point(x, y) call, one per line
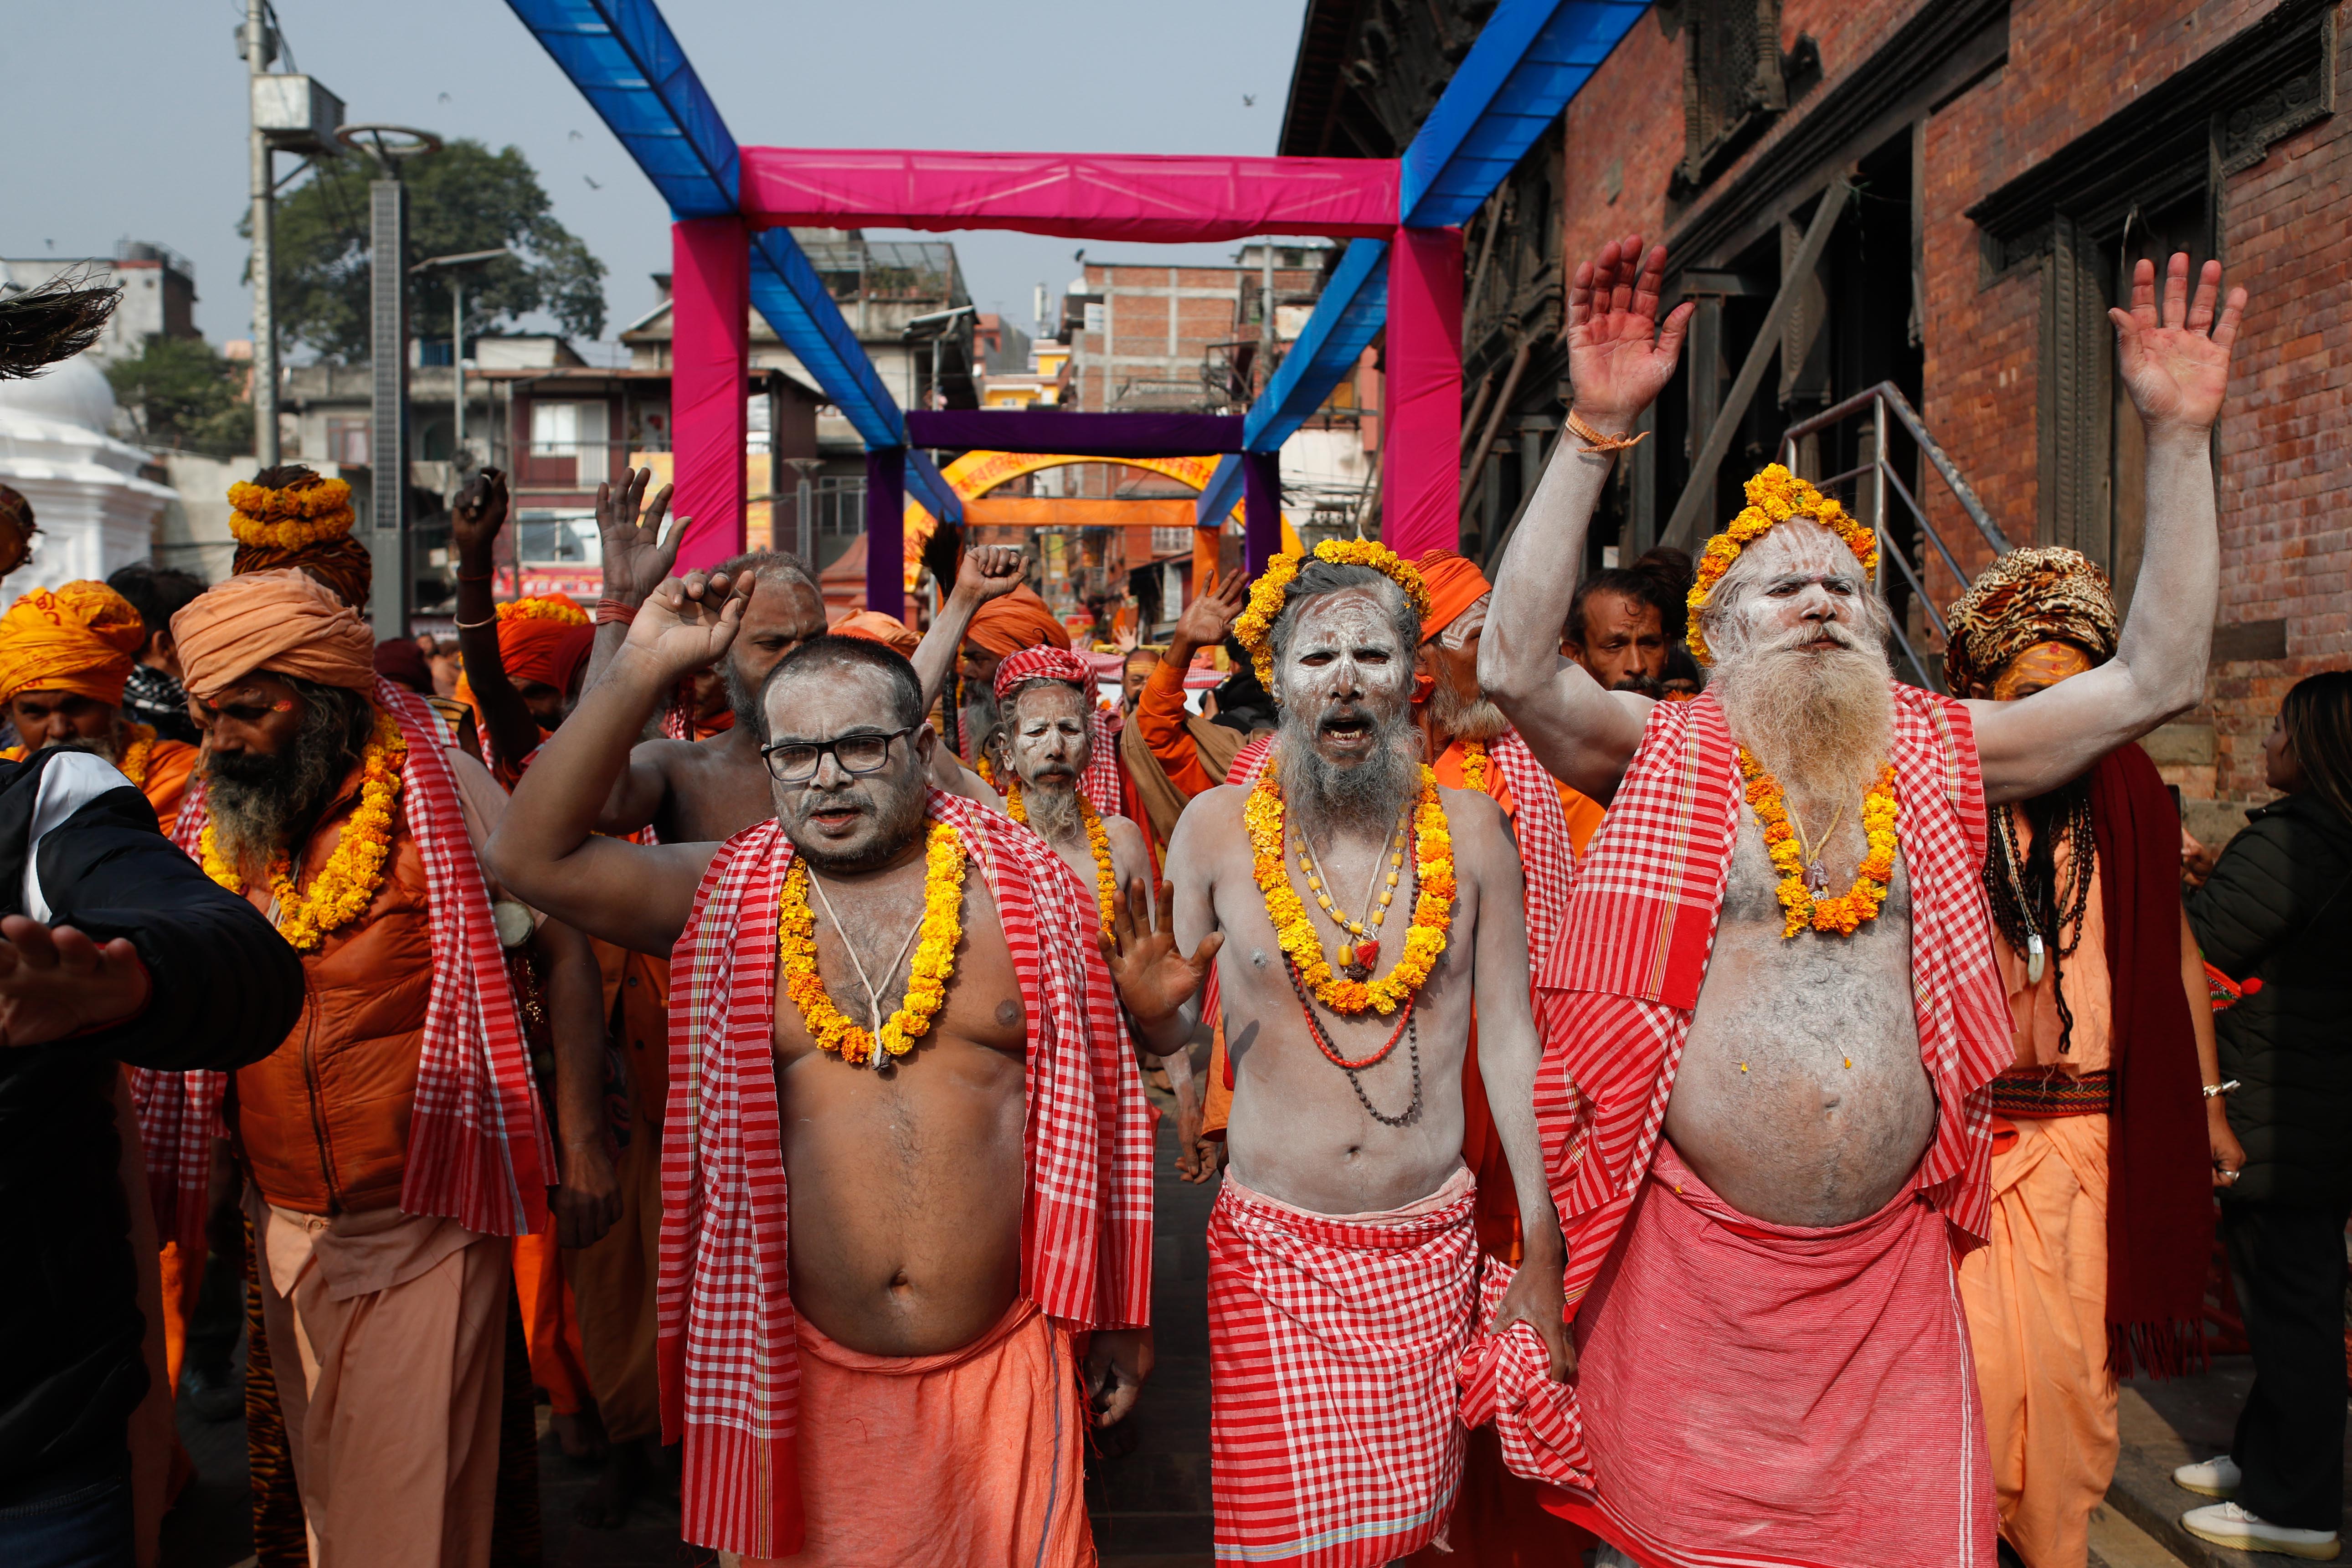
point(125, 118)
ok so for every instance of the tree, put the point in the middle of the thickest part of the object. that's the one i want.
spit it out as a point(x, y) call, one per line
point(180, 392)
point(464, 197)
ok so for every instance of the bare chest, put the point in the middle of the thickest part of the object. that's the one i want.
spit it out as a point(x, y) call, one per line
point(713, 795)
point(864, 950)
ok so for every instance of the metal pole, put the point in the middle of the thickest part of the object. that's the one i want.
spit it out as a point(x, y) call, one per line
point(257, 53)
point(457, 364)
point(1879, 482)
point(388, 434)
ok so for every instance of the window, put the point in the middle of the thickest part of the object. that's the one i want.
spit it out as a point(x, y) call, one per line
point(347, 442)
point(575, 430)
point(1732, 83)
point(557, 538)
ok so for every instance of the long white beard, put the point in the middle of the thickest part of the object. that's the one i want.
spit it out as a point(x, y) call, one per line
point(1365, 796)
point(1053, 810)
point(1822, 721)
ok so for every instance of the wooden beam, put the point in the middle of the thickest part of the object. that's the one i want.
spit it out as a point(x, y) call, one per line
point(1077, 512)
point(1682, 529)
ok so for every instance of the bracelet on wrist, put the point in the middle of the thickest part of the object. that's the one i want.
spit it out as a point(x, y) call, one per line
point(2216, 1091)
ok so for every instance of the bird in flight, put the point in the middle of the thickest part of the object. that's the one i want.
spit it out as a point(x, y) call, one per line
point(591, 183)
point(445, 98)
point(573, 137)
point(1249, 100)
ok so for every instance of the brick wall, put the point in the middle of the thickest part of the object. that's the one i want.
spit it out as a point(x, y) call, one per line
point(2286, 542)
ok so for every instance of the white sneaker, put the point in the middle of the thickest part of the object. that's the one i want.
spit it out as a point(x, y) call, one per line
point(2216, 1477)
point(2227, 1524)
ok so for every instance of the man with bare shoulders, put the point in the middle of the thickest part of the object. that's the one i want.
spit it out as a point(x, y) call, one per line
point(1047, 695)
point(1360, 909)
point(916, 1157)
point(1798, 991)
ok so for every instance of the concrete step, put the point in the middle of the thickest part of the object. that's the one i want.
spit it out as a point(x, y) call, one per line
point(2166, 1425)
point(2118, 1542)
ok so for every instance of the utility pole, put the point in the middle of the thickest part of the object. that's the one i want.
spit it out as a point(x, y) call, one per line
point(260, 49)
point(455, 266)
point(1265, 314)
point(388, 366)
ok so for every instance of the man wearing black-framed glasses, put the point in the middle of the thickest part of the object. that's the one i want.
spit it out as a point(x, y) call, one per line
point(896, 997)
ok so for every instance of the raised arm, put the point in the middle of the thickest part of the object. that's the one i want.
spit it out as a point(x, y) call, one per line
point(2176, 364)
point(479, 512)
point(991, 571)
point(1620, 357)
point(546, 850)
point(1510, 1048)
point(635, 554)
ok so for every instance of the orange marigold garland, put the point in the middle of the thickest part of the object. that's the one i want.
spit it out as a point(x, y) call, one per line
point(1432, 914)
point(1097, 842)
point(545, 608)
point(346, 885)
point(1846, 913)
point(291, 518)
point(926, 979)
point(1254, 628)
point(1774, 496)
point(133, 764)
point(1473, 766)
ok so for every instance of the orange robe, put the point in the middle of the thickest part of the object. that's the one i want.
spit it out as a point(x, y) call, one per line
point(2037, 1296)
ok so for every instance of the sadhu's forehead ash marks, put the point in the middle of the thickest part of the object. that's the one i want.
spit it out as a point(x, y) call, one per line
point(1348, 639)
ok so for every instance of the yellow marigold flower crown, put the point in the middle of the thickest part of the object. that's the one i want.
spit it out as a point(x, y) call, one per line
point(290, 518)
point(544, 607)
point(1774, 496)
point(1254, 628)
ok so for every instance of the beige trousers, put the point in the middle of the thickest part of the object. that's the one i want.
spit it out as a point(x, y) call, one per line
point(387, 1335)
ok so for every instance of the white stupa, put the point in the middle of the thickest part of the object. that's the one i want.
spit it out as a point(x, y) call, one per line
point(96, 513)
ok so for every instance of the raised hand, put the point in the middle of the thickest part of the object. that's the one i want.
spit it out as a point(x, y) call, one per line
point(2176, 365)
point(991, 571)
point(476, 515)
point(1154, 977)
point(1212, 613)
point(55, 981)
point(686, 623)
point(636, 556)
point(1619, 356)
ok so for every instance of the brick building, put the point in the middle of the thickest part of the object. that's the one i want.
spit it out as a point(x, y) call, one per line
point(2008, 161)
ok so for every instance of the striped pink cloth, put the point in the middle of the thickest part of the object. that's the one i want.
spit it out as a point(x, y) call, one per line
point(728, 1356)
point(1546, 851)
point(1333, 1340)
point(478, 1148)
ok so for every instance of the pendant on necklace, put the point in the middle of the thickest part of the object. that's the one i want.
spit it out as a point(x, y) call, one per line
point(2034, 958)
point(1817, 881)
point(1357, 961)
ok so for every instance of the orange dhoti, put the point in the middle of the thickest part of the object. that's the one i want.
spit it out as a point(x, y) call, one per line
point(388, 1334)
point(2037, 1301)
point(971, 1458)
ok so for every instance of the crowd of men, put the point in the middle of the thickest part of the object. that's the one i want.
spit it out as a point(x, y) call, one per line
point(1676, 1089)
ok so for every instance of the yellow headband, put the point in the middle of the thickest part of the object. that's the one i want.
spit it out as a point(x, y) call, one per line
point(1774, 496)
point(1254, 628)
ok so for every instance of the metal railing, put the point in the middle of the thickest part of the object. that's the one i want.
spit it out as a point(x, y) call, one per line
point(1880, 401)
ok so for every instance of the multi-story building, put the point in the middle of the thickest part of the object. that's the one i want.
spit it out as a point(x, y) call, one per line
point(2010, 162)
point(159, 292)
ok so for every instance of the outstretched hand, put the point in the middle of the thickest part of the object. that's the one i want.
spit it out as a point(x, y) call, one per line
point(1620, 357)
point(2176, 364)
point(1212, 611)
point(1118, 1360)
point(55, 981)
point(636, 556)
point(476, 515)
point(991, 571)
point(686, 623)
point(1154, 976)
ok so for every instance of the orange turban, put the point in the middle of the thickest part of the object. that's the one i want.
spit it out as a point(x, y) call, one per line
point(285, 622)
point(875, 626)
point(1018, 620)
point(77, 639)
point(290, 517)
point(544, 640)
point(1454, 583)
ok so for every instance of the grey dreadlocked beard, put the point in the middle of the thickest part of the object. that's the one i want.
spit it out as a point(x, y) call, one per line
point(258, 804)
point(1365, 797)
point(1053, 809)
point(1472, 719)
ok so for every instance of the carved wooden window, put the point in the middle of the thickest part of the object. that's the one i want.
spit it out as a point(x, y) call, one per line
point(1731, 79)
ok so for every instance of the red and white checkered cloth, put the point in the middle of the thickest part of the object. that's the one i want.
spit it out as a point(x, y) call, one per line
point(1546, 851)
point(1615, 995)
point(478, 1147)
point(730, 1363)
point(1333, 1438)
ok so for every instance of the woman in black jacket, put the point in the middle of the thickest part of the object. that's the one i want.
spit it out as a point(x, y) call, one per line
point(2278, 908)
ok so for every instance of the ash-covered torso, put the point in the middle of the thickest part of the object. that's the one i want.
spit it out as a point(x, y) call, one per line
point(1802, 1098)
point(906, 1187)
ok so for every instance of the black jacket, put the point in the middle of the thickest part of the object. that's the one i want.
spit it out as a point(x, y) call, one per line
point(2279, 907)
point(227, 989)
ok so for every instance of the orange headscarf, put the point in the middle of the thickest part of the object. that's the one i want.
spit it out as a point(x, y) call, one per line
point(544, 640)
point(1454, 583)
point(875, 626)
point(80, 638)
point(1018, 620)
point(287, 622)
